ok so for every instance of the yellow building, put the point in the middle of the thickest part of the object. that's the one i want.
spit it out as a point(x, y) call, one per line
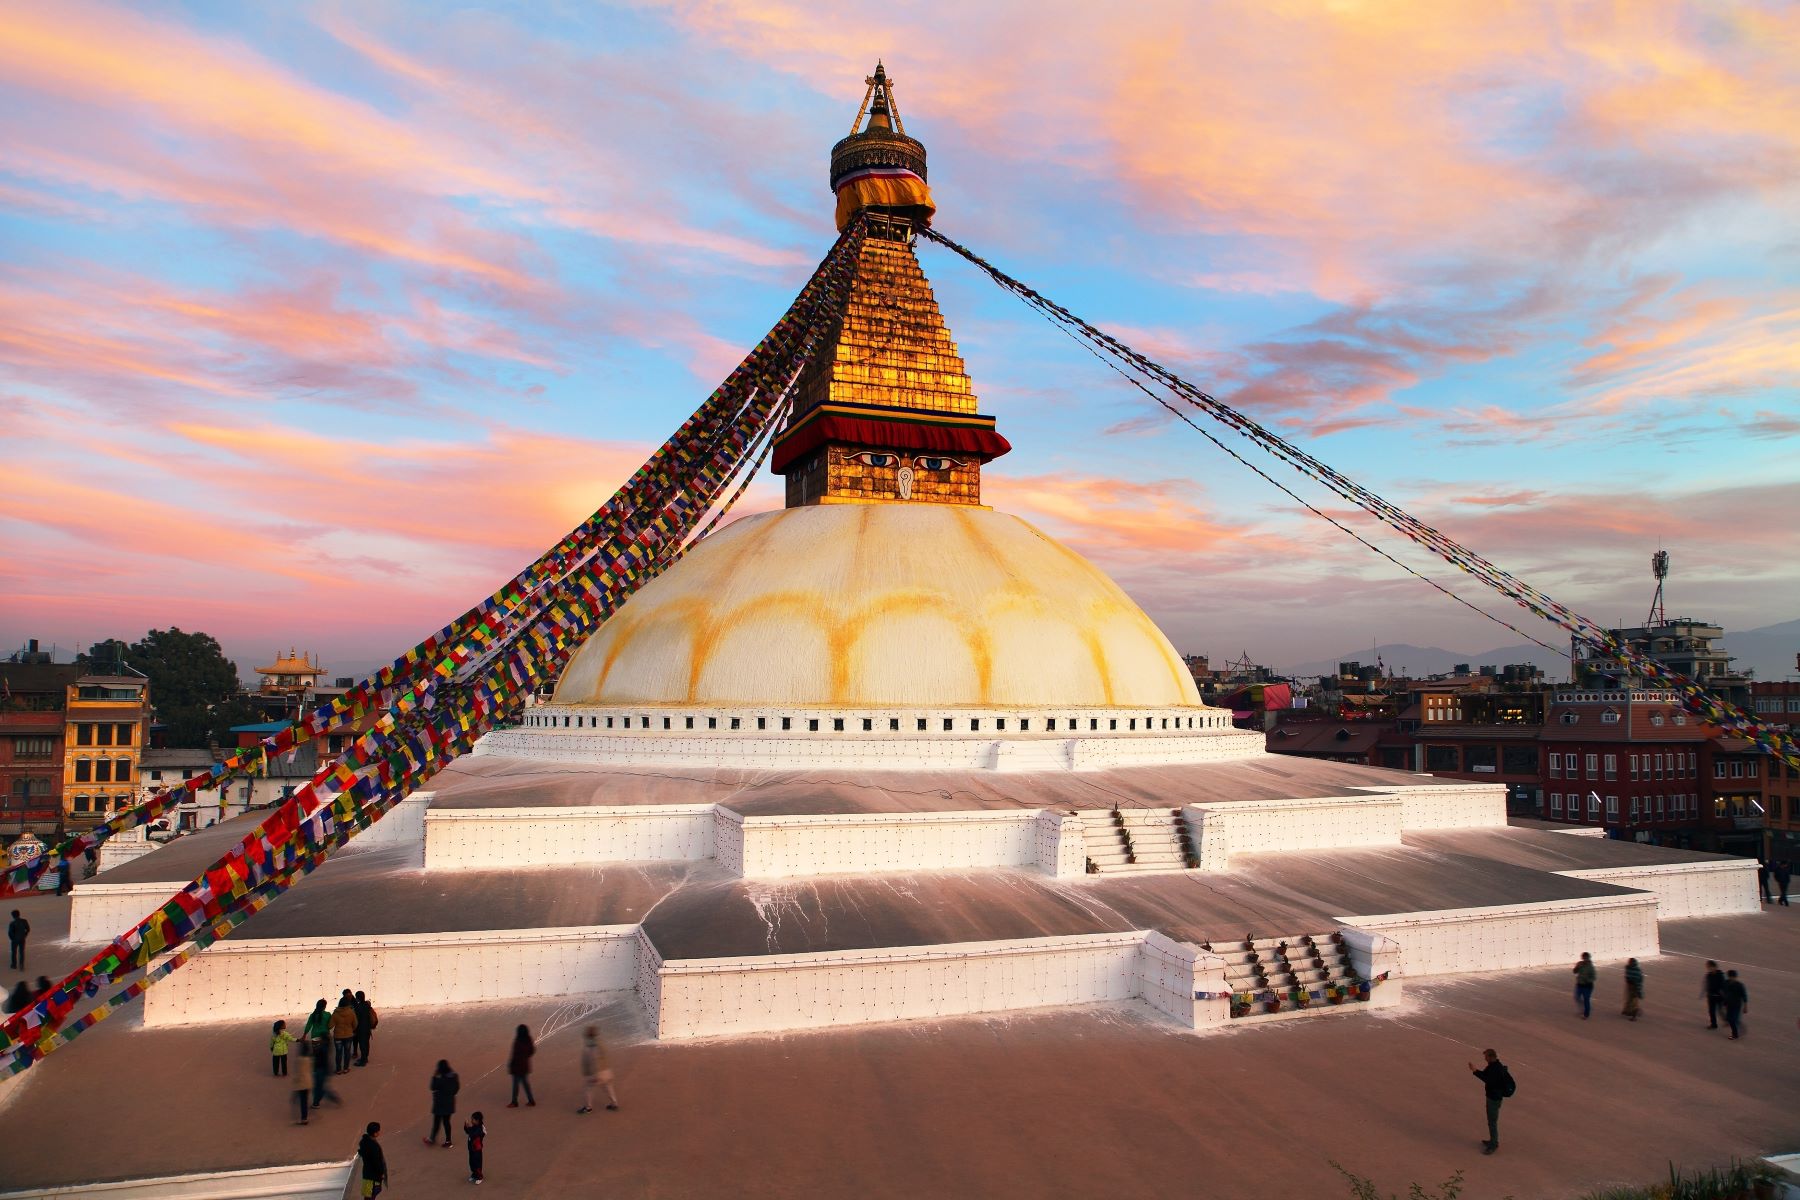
point(106, 719)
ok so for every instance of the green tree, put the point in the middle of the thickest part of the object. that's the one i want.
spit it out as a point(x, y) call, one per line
point(194, 688)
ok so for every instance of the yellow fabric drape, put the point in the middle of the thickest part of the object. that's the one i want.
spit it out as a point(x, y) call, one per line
point(888, 191)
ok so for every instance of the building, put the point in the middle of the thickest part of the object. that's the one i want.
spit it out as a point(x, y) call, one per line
point(161, 768)
point(106, 721)
point(1682, 644)
point(291, 674)
point(1777, 702)
point(33, 698)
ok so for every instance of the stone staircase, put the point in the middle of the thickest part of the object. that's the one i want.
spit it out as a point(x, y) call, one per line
point(1136, 839)
point(1282, 976)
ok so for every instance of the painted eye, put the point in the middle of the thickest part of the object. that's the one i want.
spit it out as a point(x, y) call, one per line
point(870, 458)
point(928, 463)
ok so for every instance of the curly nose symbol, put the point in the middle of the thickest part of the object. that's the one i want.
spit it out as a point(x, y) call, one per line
point(906, 482)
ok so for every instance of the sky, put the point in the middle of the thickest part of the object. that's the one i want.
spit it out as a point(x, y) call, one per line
point(319, 320)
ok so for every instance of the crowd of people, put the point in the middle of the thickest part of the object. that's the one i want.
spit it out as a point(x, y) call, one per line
point(335, 1041)
point(1722, 990)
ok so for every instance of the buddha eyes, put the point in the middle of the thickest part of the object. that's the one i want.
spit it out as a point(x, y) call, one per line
point(924, 462)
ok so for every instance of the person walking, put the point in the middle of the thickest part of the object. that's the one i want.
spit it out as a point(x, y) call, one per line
point(1784, 875)
point(374, 1162)
point(303, 1078)
point(1585, 975)
point(366, 1020)
point(1713, 988)
point(343, 1032)
point(444, 1086)
point(518, 1065)
point(318, 1024)
point(1634, 989)
point(279, 1041)
point(596, 1071)
point(1762, 877)
point(1737, 998)
point(475, 1138)
point(1497, 1085)
point(321, 1060)
point(17, 930)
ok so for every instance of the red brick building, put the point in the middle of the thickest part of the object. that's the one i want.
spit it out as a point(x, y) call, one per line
point(1778, 703)
point(33, 700)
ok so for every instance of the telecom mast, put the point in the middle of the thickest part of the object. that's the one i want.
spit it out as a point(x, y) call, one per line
point(1659, 567)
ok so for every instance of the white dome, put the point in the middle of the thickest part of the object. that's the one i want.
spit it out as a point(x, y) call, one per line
point(913, 605)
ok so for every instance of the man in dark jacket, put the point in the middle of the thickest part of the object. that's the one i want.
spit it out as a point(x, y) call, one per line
point(374, 1162)
point(1736, 998)
point(17, 930)
point(365, 1028)
point(1496, 1081)
point(1714, 991)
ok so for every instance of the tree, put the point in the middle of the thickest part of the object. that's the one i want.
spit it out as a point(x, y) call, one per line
point(193, 686)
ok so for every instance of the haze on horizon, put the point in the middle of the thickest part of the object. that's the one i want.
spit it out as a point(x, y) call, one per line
point(320, 322)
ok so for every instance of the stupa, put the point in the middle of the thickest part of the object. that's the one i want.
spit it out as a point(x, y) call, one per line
point(888, 753)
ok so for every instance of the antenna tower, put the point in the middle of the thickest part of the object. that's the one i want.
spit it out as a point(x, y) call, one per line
point(1659, 567)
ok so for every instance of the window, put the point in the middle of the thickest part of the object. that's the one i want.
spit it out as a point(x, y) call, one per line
point(786, 723)
point(1794, 704)
point(33, 749)
point(1612, 806)
point(1660, 764)
point(84, 735)
point(1612, 766)
point(123, 734)
point(1556, 804)
point(1052, 724)
point(1660, 806)
point(1593, 804)
point(1634, 767)
point(609, 722)
point(837, 725)
point(1024, 724)
point(1000, 723)
point(1113, 724)
point(812, 724)
point(713, 722)
point(1718, 768)
point(1519, 760)
point(1094, 723)
point(921, 724)
point(84, 770)
point(81, 803)
point(761, 722)
point(1593, 766)
point(949, 724)
point(735, 720)
point(893, 724)
point(1569, 718)
point(1634, 809)
point(690, 722)
point(1737, 769)
point(1556, 766)
point(1609, 716)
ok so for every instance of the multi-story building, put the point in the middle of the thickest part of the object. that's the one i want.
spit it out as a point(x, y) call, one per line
point(1778, 703)
point(1477, 727)
point(1628, 759)
point(105, 721)
point(1683, 645)
point(33, 695)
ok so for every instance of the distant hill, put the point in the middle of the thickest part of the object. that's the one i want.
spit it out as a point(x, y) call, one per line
point(1769, 651)
point(1405, 659)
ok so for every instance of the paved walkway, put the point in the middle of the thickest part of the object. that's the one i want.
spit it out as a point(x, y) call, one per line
point(1060, 1104)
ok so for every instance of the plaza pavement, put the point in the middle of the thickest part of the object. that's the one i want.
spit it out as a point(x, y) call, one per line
point(1072, 1103)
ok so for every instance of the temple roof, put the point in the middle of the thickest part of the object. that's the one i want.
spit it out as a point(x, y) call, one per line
point(292, 663)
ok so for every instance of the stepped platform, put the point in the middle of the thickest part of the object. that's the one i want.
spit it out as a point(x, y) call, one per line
point(493, 782)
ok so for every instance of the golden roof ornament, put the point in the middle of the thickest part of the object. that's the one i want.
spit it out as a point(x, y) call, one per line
point(878, 167)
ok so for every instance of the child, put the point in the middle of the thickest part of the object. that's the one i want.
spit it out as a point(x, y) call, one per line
point(279, 1041)
point(475, 1135)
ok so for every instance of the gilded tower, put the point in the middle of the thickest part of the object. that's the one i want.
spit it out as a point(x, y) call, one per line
point(886, 412)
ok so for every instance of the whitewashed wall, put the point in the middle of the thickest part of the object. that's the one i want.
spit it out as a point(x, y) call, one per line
point(1444, 804)
point(1061, 845)
point(1267, 826)
point(403, 825)
point(1510, 936)
point(100, 911)
point(304, 1181)
point(708, 997)
point(508, 837)
point(1371, 954)
point(237, 980)
point(1694, 889)
point(870, 843)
